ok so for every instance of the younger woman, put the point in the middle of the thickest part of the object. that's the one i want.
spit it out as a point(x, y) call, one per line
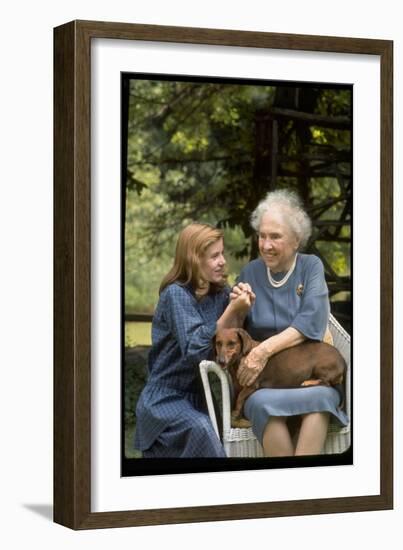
point(172, 420)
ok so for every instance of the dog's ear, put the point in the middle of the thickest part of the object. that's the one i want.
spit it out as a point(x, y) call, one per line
point(246, 341)
point(213, 341)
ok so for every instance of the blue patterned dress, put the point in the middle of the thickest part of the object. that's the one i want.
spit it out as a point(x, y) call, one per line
point(172, 420)
point(303, 303)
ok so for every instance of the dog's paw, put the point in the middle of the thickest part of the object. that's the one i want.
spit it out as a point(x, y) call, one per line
point(311, 382)
point(239, 422)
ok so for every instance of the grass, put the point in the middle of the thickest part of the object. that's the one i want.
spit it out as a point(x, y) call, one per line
point(137, 334)
point(130, 452)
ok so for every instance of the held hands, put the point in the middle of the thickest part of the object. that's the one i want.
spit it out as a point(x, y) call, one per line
point(241, 300)
point(242, 297)
point(252, 365)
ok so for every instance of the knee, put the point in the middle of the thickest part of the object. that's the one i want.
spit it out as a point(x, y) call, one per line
point(315, 419)
point(201, 425)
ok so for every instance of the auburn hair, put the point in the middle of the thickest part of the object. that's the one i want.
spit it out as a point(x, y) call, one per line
point(191, 246)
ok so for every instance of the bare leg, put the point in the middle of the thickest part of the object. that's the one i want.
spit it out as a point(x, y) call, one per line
point(277, 439)
point(312, 434)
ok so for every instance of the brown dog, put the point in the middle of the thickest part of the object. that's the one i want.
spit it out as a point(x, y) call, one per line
point(307, 364)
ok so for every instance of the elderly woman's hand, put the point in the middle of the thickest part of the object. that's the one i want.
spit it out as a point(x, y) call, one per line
point(252, 365)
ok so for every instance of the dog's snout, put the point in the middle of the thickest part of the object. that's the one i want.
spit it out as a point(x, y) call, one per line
point(227, 348)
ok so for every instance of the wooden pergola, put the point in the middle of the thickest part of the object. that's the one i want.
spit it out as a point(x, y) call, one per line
point(290, 120)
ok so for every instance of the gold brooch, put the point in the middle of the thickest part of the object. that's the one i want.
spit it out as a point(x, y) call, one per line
point(300, 289)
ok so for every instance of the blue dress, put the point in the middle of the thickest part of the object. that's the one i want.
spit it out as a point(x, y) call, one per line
point(303, 303)
point(172, 419)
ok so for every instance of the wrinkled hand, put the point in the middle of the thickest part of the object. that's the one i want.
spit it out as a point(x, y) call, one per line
point(252, 366)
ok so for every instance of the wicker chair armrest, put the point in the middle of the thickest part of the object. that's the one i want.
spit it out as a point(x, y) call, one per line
point(342, 341)
point(205, 368)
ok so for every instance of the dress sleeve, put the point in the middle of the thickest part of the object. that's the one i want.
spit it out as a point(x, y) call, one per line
point(313, 314)
point(193, 334)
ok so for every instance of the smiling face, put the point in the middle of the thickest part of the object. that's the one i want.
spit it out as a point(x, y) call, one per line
point(212, 263)
point(277, 243)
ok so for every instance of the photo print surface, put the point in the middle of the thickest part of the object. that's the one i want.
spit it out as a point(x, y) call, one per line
point(208, 150)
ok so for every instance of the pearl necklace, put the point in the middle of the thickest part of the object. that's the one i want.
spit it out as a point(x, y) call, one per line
point(278, 284)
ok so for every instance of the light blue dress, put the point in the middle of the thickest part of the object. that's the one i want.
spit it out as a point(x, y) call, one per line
point(303, 303)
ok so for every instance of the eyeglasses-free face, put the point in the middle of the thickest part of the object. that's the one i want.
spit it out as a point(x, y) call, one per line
point(277, 243)
point(212, 264)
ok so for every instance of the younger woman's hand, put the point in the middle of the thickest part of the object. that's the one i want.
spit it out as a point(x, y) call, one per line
point(241, 288)
point(241, 303)
point(252, 366)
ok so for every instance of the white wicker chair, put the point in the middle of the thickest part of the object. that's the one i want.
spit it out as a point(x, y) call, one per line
point(242, 442)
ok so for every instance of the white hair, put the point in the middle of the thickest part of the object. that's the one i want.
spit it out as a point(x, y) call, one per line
point(290, 207)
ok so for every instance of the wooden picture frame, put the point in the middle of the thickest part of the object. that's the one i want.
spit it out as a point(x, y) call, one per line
point(72, 274)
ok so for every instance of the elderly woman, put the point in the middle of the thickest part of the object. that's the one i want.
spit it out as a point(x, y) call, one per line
point(291, 305)
point(172, 420)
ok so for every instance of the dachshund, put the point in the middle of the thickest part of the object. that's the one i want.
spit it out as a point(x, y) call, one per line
point(310, 363)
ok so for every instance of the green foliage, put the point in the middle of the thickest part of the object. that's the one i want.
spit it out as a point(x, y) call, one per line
point(137, 334)
point(194, 155)
point(135, 376)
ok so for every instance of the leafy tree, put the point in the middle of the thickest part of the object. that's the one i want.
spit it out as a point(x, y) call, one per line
point(209, 151)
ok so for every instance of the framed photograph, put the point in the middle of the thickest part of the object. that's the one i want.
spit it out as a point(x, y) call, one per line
point(155, 128)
